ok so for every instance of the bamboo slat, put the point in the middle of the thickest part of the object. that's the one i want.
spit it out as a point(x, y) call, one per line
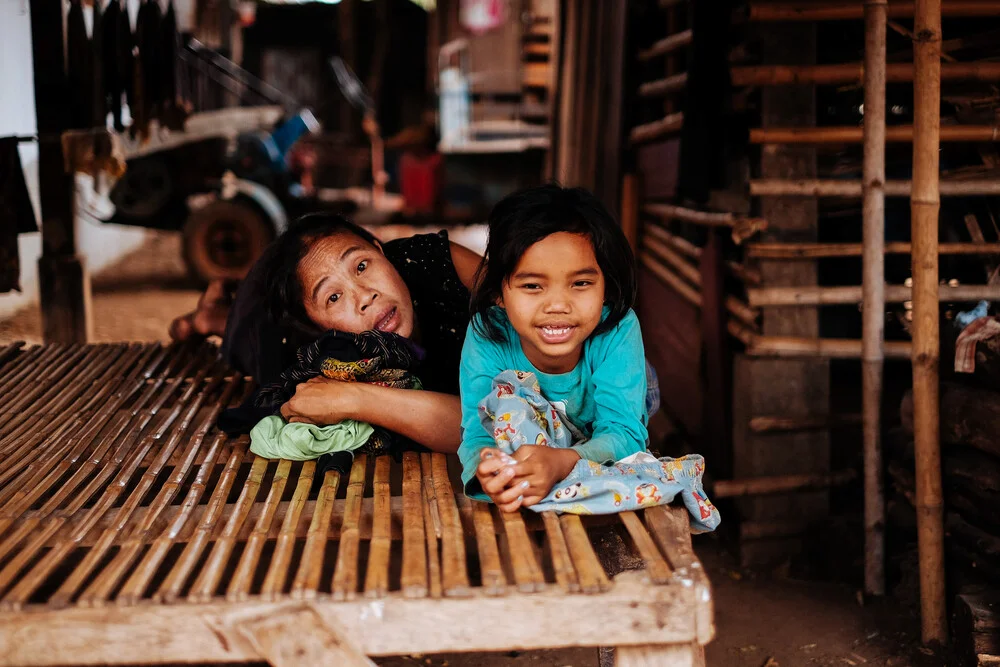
point(828, 348)
point(746, 274)
point(432, 526)
point(345, 576)
point(743, 227)
point(657, 129)
point(852, 189)
point(494, 581)
point(852, 135)
point(454, 576)
point(380, 547)
point(239, 584)
point(664, 86)
point(831, 10)
point(593, 579)
point(521, 554)
point(760, 486)
point(763, 424)
point(761, 297)
point(843, 73)
point(656, 568)
point(562, 562)
point(306, 581)
point(806, 251)
point(277, 571)
point(667, 45)
point(413, 579)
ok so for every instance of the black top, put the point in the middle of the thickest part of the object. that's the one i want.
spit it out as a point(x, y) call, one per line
point(254, 345)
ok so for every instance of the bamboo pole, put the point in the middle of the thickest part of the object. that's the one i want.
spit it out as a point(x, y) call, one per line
point(812, 295)
point(852, 189)
point(823, 348)
point(667, 45)
point(806, 10)
point(873, 291)
point(924, 206)
point(658, 128)
point(809, 251)
point(665, 86)
point(843, 73)
point(743, 228)
point(760, 486)
point(852, 135)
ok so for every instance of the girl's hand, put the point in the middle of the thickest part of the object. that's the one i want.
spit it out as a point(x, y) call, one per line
point(538, 468)
point(495, 474)
point(322, 401)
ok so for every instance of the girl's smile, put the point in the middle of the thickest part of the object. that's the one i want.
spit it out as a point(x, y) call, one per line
point(554, 299)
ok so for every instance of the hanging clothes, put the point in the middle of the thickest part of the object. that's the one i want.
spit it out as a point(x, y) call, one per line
point(111, 79)
point(79, 69)
point(149, 39)
point(125, 60)
point(17, 215)
point(169, 107)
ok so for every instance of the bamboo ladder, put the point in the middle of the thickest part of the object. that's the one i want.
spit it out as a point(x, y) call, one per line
point(927, 72)
point(131, 531)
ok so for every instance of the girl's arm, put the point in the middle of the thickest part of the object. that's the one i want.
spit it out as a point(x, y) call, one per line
point(426, 417)
point(481, 362)
point(620, 395)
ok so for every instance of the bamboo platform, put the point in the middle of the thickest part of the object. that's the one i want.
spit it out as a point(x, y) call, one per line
point(132, 532)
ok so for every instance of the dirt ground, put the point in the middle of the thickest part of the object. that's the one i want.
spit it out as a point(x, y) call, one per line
point(789, 623)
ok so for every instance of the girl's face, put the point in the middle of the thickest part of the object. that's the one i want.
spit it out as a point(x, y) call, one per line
point(553, 300)
point(349, 285)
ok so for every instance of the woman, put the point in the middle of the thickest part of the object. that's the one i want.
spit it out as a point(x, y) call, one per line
point(327, 273)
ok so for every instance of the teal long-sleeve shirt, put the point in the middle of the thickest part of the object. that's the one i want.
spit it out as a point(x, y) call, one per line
point(604, 394)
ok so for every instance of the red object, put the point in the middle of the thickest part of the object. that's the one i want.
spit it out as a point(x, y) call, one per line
point(420, 180)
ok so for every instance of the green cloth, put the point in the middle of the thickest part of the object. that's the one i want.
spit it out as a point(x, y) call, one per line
point(272, 438)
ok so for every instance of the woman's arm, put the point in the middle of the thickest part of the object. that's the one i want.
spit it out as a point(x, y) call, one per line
point(426, 417)
point(466, 263)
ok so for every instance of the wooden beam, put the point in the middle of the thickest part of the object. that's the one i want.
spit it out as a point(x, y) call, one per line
point(667, 45)
point(852, 135)
point(843, 73)
point(64, 284)
point(665, 86)
point(805, 10)
point(852, 189)
point(924, 207)
point(743, 227)
point(657, 129)
point(825, 348)
point(815, 295)
point(205, 632)
point(809, 251)
point(760, 486)
point(767, 424)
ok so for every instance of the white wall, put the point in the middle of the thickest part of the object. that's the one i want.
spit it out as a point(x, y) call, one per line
point(98, 244)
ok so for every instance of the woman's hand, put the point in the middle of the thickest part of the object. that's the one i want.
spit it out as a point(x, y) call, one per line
point(322, 401)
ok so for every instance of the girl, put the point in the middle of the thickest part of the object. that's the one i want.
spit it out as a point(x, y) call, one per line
point(553, 375)
point(553, 297)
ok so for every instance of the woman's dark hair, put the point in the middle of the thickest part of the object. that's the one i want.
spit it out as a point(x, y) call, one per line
point(280, 263)
point(522, 219)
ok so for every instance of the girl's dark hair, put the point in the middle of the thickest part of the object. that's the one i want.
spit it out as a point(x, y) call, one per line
point(522, 219)
point(280, 263)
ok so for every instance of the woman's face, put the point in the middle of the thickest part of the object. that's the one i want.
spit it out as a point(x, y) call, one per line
point(350, 286)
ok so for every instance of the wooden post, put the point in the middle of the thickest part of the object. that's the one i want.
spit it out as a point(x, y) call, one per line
point(630, 210)
point(873, 289)
point(63, 281)
point(924, 207)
